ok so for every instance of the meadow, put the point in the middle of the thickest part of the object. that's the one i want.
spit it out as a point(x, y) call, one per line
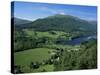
point(33, 55)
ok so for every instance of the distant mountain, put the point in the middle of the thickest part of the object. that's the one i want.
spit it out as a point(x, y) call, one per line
point(62, 16)
point(93, 22)
point(18, 21)
point(59, 22)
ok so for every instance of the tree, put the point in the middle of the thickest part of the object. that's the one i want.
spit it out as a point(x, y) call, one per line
point(17, 69)
point(85, 58)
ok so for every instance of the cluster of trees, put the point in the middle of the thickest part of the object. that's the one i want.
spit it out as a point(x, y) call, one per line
point(85, 58)
point(50, 61)
point(17, 69)
point(36, 65)
point(22, 41)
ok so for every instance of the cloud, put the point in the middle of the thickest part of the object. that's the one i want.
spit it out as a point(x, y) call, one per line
point(62, 13)
point(48, 10)
point(53, 11)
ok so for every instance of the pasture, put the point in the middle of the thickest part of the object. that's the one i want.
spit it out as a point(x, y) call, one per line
point(24, 58)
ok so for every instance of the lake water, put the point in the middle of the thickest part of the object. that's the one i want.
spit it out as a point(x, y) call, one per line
point(78, 40)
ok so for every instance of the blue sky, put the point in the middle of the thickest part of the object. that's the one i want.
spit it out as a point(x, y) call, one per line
point(33, 11)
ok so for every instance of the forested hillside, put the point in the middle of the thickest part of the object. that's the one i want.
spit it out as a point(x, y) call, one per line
point(59, 22)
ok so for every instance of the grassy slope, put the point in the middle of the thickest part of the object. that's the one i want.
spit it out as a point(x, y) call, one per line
point(42, 34)
point(38, 54)
point(25, 57)
point(48, 68)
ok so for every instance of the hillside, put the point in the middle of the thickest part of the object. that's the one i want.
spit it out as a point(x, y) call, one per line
point(59, 22)
point(18, 21)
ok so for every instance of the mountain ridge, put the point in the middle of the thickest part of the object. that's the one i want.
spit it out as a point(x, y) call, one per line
point(19, 21)
point(67, 23)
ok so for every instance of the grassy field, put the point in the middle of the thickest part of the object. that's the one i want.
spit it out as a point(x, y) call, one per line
point(24, 58)
point(48, 68)
point(45, 34)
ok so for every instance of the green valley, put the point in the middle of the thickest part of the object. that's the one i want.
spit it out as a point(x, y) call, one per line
point(55, 43)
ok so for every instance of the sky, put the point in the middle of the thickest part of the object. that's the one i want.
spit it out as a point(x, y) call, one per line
point(32, 10)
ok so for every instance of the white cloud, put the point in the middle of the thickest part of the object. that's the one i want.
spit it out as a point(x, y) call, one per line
point(53, 11)
point(62, 13)
point(49, 10)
